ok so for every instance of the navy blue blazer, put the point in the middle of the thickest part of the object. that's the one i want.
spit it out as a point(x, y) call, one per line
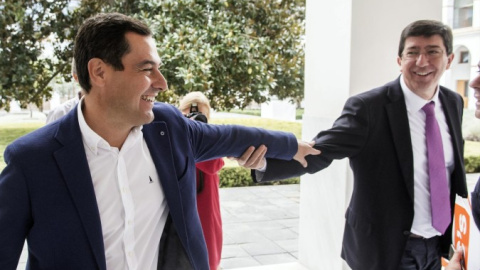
point(47, 196)
point(476, 204)
point(373, 132)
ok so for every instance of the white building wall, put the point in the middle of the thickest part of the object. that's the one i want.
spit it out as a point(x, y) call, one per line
point(279, 109)
point(467, 38)
point(476, 13)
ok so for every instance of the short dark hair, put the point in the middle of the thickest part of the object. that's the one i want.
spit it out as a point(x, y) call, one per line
point(427, 28)
point(103, 36)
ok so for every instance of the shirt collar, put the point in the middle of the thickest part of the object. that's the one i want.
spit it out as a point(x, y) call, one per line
point(412, 100)
point(93, 141)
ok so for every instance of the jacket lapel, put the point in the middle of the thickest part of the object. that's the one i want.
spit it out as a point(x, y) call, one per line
point(399, 126)
point(72, 161)
point(453, 113)
point(158, 140)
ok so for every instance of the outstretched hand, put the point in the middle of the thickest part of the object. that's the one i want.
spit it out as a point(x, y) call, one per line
point(252, 158)
point(305, 149)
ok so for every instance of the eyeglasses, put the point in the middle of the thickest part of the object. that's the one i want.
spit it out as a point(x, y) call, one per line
point(430, 54)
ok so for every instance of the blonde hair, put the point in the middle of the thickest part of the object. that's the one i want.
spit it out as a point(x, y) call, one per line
point(193, 97)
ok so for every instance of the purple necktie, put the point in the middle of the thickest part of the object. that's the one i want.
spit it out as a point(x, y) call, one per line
point(439, 193)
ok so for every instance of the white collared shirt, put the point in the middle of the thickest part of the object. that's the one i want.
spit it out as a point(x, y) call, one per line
point(422, 220)
point(130, 199)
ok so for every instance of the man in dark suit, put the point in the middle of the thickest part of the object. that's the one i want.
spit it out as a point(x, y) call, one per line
point(112, 184)
point(475, 84)
point(382, 131)
point(455, 262)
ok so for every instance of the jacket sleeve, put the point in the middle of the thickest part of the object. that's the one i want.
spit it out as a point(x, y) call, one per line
point(15, 218)
point(214, 141)
point(346, 138)
point(208, 141)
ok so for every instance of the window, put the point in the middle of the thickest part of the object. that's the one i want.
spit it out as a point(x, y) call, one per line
point(464, 57)
point(462, 89)
point(463, 13)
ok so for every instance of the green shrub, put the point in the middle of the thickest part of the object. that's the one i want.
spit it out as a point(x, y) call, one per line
point(235, 177)
point(240, 177)
point(472, 164)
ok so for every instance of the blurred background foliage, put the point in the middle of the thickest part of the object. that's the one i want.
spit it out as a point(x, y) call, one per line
point(234, 51)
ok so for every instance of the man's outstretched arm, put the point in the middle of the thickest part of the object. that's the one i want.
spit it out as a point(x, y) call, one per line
point(255, 158)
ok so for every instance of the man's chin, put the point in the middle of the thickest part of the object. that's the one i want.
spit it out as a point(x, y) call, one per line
point(149, 117)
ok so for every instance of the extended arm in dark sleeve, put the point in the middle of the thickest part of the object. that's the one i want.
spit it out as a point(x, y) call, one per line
point(346, 138)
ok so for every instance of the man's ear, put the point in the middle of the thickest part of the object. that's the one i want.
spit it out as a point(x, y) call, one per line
point(450, 60)
point(96, 71)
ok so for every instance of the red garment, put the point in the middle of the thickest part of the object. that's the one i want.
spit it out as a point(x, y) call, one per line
point(208, 205)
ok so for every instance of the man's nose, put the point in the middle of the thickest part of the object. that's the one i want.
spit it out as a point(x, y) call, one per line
point(422, 60)
point(160, 81)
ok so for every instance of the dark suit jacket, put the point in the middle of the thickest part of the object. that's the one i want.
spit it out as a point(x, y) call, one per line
point(476, 204)
point(373, 132)
point(47, 195)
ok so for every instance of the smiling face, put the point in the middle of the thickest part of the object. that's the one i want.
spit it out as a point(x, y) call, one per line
point(422, 73)
point(130, 93)
point(475, 84)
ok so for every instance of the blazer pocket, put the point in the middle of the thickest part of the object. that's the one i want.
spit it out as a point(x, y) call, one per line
point(182, 169)
point(358, 222)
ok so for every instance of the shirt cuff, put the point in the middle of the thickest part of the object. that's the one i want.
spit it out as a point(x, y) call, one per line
point(264, 168)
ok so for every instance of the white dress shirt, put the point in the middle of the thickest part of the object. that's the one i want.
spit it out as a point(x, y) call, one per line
point(130, 199)
point(422, 220)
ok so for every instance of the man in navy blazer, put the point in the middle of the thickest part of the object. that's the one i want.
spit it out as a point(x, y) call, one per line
point(456, 262)
point(475, 84)
point(382, 132)
point(112, 184)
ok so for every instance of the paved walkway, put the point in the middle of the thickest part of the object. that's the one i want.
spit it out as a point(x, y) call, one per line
point(261, 226)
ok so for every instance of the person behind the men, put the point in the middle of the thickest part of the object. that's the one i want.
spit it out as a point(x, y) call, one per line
point(111, 185)
point(68, 105)
point(455, 262)
point(382, 132)
point(193, 105)
point(475, 84)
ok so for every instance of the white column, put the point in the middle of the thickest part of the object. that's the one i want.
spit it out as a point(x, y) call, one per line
point(351, 47)
point(476, 10)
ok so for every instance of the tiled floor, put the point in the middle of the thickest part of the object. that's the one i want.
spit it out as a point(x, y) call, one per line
point(261, 227)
